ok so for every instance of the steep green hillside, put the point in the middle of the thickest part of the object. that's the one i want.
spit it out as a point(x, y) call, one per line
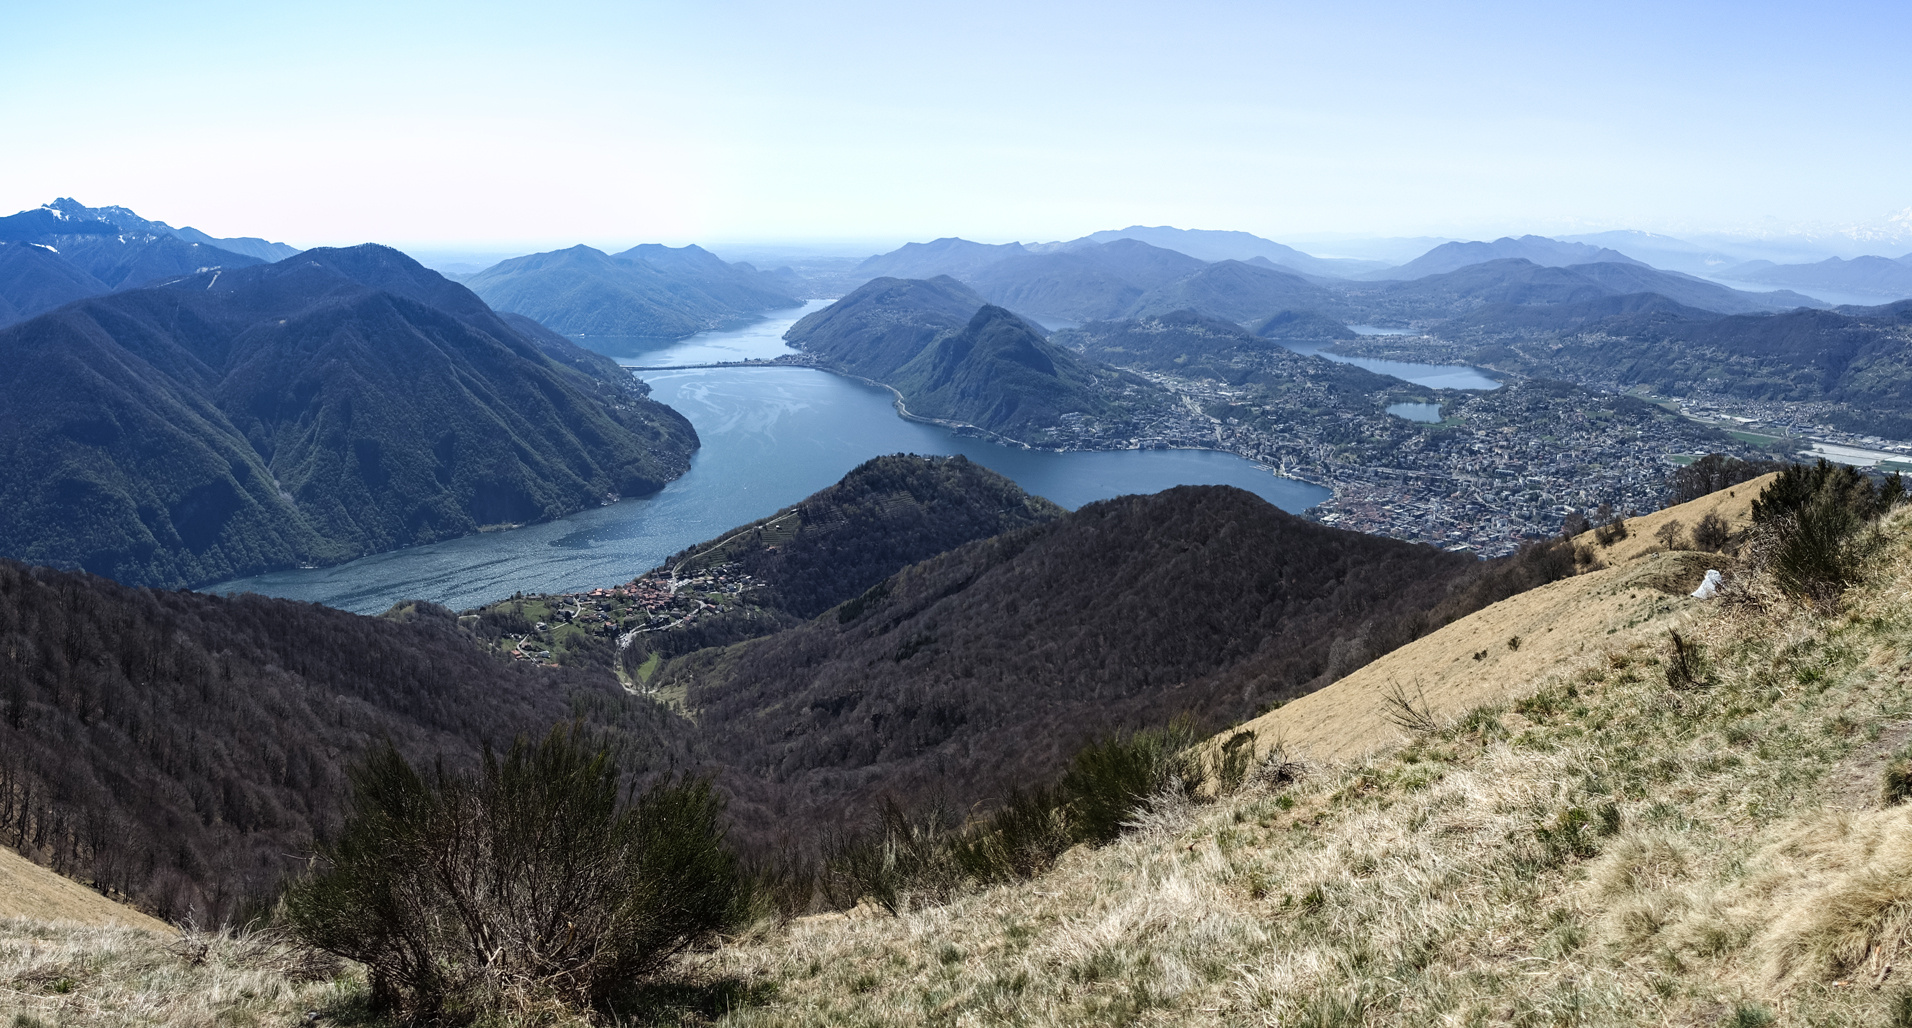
point(883, 324)
point(955, 359)
point(999, 373)
point(307, 412)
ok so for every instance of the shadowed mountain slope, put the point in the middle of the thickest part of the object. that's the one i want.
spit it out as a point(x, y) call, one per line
point(887, 513)
point(35, 279)
point(307, 412)
point(187, 751)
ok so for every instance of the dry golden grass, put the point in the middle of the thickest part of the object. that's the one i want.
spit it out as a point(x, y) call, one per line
point(1502, 651)
point(31, 891)
point(61, 973)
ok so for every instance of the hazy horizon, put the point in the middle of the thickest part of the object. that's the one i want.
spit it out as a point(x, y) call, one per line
point(481, 127)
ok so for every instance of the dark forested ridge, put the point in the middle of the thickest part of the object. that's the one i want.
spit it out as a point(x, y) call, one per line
point(986, 666)
point(887, 513)
point(773, 573)
point(306, 412)
point(185, 750)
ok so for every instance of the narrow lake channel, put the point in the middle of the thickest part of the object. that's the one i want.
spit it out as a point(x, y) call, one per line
point(771, 436)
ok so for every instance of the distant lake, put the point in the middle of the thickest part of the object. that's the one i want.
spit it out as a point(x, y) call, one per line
point(1434, 376)
point(1428, 412)
point(760, 340)
point(1370, 330)
point(771, 436)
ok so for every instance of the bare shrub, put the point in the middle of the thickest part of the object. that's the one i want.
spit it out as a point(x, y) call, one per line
point(527, 883)
point(1409, 712)
point(1712, 533)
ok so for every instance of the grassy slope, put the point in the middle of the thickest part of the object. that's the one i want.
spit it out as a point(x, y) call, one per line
point(1641, 593)
point(1752, 868)
point(28, 890)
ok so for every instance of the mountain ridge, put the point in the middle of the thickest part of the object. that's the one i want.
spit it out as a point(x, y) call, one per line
point(292, 413)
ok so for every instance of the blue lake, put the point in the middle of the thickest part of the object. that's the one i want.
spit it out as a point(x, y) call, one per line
point(1427, 412)
point(771, 436)
point(1434, 376)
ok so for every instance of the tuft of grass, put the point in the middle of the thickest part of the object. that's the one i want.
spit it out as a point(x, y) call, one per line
point(1897, 779)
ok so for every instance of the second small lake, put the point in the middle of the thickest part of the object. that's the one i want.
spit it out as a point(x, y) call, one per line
point(1427, 412)
point(1434, 376)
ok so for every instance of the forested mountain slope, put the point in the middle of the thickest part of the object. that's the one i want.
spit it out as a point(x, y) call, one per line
point(954, 358)
point(34, 279)
point(882, 324)
point(186, 750)
point(887, 513)
point(1858, 360)
point(306, 412)
point(999, 373)
point(987, 666)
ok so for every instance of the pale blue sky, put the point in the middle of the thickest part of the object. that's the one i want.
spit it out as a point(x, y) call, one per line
point(534, 124)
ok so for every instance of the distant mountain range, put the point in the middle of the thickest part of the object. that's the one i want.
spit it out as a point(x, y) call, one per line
point(955, 357)
point(1548, 253)
point(621, 303)
point(1211, 245)
point(1128, 278)
point(1880, 278)
point(305, 412)
point(66, 251)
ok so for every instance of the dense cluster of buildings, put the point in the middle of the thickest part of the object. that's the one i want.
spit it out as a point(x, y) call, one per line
point(1497, 467)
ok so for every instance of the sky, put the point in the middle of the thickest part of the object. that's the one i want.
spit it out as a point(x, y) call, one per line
point(522, 126)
